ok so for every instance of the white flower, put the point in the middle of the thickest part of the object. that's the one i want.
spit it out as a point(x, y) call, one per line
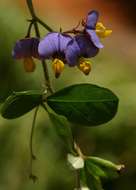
point(83, 188)
point(76, 161)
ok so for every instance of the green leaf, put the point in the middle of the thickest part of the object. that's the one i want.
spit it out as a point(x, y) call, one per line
point(62, 129)
point(105, 163)
point(85, 104)
point(20, 103)
point(93, 181)
point(94, 169)
point(110, 169)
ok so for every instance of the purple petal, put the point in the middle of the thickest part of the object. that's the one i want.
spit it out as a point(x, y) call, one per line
point(25, 48)
point(87, 48)
point(94, 38)
point(72, 53)
point(54, 44)
point(92, 19)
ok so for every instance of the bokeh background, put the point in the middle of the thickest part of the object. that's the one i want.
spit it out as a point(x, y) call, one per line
point(114, 68)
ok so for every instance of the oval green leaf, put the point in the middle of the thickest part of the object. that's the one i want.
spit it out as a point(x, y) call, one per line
point(20, 103)
point(85, 104)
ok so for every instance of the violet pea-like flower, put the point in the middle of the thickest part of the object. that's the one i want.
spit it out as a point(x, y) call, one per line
point(94, 29)
point(27, 49)
point(53, 46)
point(77, 52)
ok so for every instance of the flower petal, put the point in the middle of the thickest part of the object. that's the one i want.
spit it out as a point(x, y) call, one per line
point(72, 53)
point(53, 44)
point(76, 161)
point(87, 48)
point(92, 19)
point(94, 38)
point(80, 46)
point(26, 48)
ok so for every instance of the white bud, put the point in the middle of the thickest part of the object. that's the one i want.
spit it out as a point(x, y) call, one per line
point(76, 161)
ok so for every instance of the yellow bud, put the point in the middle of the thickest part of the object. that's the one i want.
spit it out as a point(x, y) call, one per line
point(29, 64)
point(101, 30)
point(84, 66)
point(58, 67)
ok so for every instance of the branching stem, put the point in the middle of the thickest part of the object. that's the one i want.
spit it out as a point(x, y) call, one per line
point(37, 32)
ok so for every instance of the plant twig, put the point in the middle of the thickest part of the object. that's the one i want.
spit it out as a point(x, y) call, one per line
point(44, 24)
point(29, 28)
point(37, 32)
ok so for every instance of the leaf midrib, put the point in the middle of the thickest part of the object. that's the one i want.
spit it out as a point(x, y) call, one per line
point(75, 101)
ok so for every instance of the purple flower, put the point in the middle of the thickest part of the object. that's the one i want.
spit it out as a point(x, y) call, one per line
point(79, 47)
point(26, 49)
point(94, 29)
point(90, 28)
point(53, 46)
point(78, 50)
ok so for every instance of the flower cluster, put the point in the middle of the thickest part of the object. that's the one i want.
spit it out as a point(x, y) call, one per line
point(64, 49)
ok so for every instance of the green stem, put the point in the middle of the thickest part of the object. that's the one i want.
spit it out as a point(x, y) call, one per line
point(37, 32)
point(31, 8)
point(32, 11)
point(29, 29)
point(32, 155)
point(78, 184)
point(44, 24)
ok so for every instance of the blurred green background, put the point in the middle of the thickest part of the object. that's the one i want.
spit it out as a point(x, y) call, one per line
point(114, 68)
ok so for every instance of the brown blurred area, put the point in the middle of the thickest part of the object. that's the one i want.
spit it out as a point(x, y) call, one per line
point(120, 10)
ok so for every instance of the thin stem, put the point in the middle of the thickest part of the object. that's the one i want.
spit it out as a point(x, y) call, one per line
point(31, 8)
point(44, 24)
point(46, 75)
point(32, 11)
point(78, 184)
point(32, 155)
point(37, 32)
point(29, 29)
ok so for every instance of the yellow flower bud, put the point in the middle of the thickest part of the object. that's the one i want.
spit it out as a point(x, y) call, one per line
point(29, 64)
point(101, 30)
point(84, 66)
point(58, 67)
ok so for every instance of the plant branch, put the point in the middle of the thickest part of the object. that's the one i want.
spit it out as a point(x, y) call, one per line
point(29, 28)
point(44, 24)
point(37, 32)
point(34, 16)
